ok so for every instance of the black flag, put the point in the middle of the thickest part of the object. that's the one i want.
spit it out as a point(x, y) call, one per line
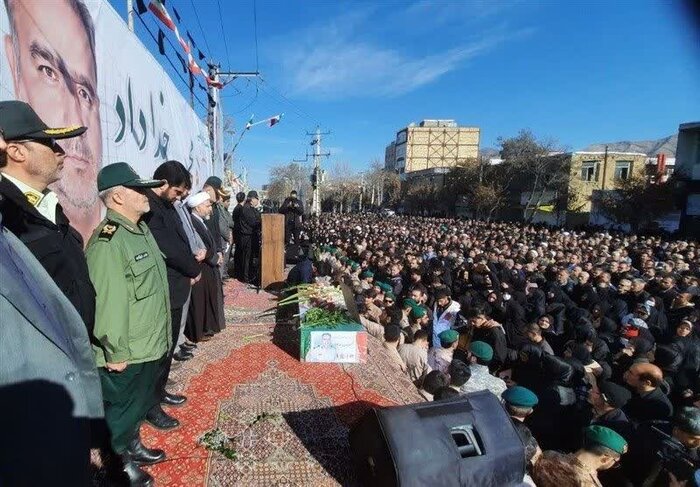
point(177, 15)
point(190, 38)
point(141, 7)
point(182, 60)
point(161, 46)
point(201, 54)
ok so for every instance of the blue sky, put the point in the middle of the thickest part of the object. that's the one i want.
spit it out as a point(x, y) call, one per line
point(579, 73)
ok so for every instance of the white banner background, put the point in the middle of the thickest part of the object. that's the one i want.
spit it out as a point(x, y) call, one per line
point(143, 117)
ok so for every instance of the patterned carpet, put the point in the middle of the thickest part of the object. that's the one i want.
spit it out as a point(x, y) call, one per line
point(288, 421)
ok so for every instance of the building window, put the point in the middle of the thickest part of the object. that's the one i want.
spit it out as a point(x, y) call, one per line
point(622, 170)
point(589, 171)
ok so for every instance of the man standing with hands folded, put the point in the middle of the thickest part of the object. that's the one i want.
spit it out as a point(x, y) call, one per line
point(132, 318)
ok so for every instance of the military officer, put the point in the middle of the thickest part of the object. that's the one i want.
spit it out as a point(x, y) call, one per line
point(132, 319)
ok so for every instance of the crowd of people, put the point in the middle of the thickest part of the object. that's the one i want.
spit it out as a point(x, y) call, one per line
point(591, 339)
point(90, 329)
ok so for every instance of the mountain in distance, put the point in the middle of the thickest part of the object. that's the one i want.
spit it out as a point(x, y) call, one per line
point(665, 145)
point(489, 152)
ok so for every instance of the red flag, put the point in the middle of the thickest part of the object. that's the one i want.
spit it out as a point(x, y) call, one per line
point(158, 9)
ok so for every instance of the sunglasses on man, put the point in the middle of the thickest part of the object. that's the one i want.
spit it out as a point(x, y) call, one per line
point(50, 143)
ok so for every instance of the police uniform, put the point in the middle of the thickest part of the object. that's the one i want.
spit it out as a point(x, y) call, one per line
point(132, 320)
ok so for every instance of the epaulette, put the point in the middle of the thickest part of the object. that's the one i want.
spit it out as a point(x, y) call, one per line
point(108, 230)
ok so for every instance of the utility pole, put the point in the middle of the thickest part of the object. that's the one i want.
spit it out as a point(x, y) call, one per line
point(605, 168)
point(130, 14)
point(317, 177)
point(214, 114)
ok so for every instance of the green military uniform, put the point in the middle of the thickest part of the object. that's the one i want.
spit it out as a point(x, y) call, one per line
point(132, 320)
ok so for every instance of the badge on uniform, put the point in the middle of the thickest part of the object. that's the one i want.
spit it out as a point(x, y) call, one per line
point(32, 198)
point(108, 231)
point(141, 256)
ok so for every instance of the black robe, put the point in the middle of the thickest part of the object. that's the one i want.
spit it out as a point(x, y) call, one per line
point(206, 311)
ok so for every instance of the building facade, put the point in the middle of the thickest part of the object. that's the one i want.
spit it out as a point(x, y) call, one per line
point(590, 171)
point(583, 174)
point(688, 174)
point(433, 144)
point(390, 157)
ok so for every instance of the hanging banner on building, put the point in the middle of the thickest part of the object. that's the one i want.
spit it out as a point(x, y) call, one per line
point(76, 63)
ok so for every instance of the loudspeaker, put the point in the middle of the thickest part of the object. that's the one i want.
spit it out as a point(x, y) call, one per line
point(469, 441)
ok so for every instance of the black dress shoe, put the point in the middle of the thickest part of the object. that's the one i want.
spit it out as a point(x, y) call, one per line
point(181, 356)
point(161, 420)
point(173, 399)
point(136, 476)
point(141, 455)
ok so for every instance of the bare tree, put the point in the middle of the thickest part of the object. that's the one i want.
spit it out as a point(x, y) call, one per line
point(533, 169)
point(287, 177)
point(638, 203)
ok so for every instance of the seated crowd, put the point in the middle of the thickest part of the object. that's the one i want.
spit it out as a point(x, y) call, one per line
point(591, 339)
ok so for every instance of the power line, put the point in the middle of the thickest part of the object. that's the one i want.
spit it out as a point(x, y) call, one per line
point(206, 42)
point(177, 71)
point(255, 25)
point(271, 90)
point(223, 33)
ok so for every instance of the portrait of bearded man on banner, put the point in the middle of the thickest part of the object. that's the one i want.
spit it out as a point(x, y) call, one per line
point(51, 54)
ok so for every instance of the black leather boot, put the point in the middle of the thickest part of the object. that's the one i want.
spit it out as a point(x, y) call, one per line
point(160, 419)
point(141, 455)
point(173, 399)
point(137, 477)
point(182, 356)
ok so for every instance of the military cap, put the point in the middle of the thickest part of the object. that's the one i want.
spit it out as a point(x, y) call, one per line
point(600, 435)
point(384, 287)
point(366, 274)
point(482, 350)
point(332, 250)
point(418, 312)
point(448, 337)
point(520, 396)
point(688, 420)
point(408, 302)
point(390, 295)
point(122, 174)
point(354, 265)
point(18, 120)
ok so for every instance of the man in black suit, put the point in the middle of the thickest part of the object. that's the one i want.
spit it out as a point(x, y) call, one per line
point(293, 209)
point(648, 401)
point(248, 242)
point(236, 218)
point(183, 270)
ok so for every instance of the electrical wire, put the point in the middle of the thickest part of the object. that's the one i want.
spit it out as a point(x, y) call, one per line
point(255, 26)
point(223, 33)
point(206, 42)
point(175, 69)
point(274, 93)
point(245, 108)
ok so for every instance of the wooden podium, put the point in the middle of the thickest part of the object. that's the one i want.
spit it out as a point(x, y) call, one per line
point(272, 249)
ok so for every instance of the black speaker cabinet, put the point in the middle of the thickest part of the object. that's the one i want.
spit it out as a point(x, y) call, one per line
point(465, 441)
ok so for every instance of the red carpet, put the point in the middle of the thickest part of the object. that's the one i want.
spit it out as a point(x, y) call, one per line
point(289, 421)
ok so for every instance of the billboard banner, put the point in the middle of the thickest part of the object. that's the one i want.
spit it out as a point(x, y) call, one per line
point(77, 63)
